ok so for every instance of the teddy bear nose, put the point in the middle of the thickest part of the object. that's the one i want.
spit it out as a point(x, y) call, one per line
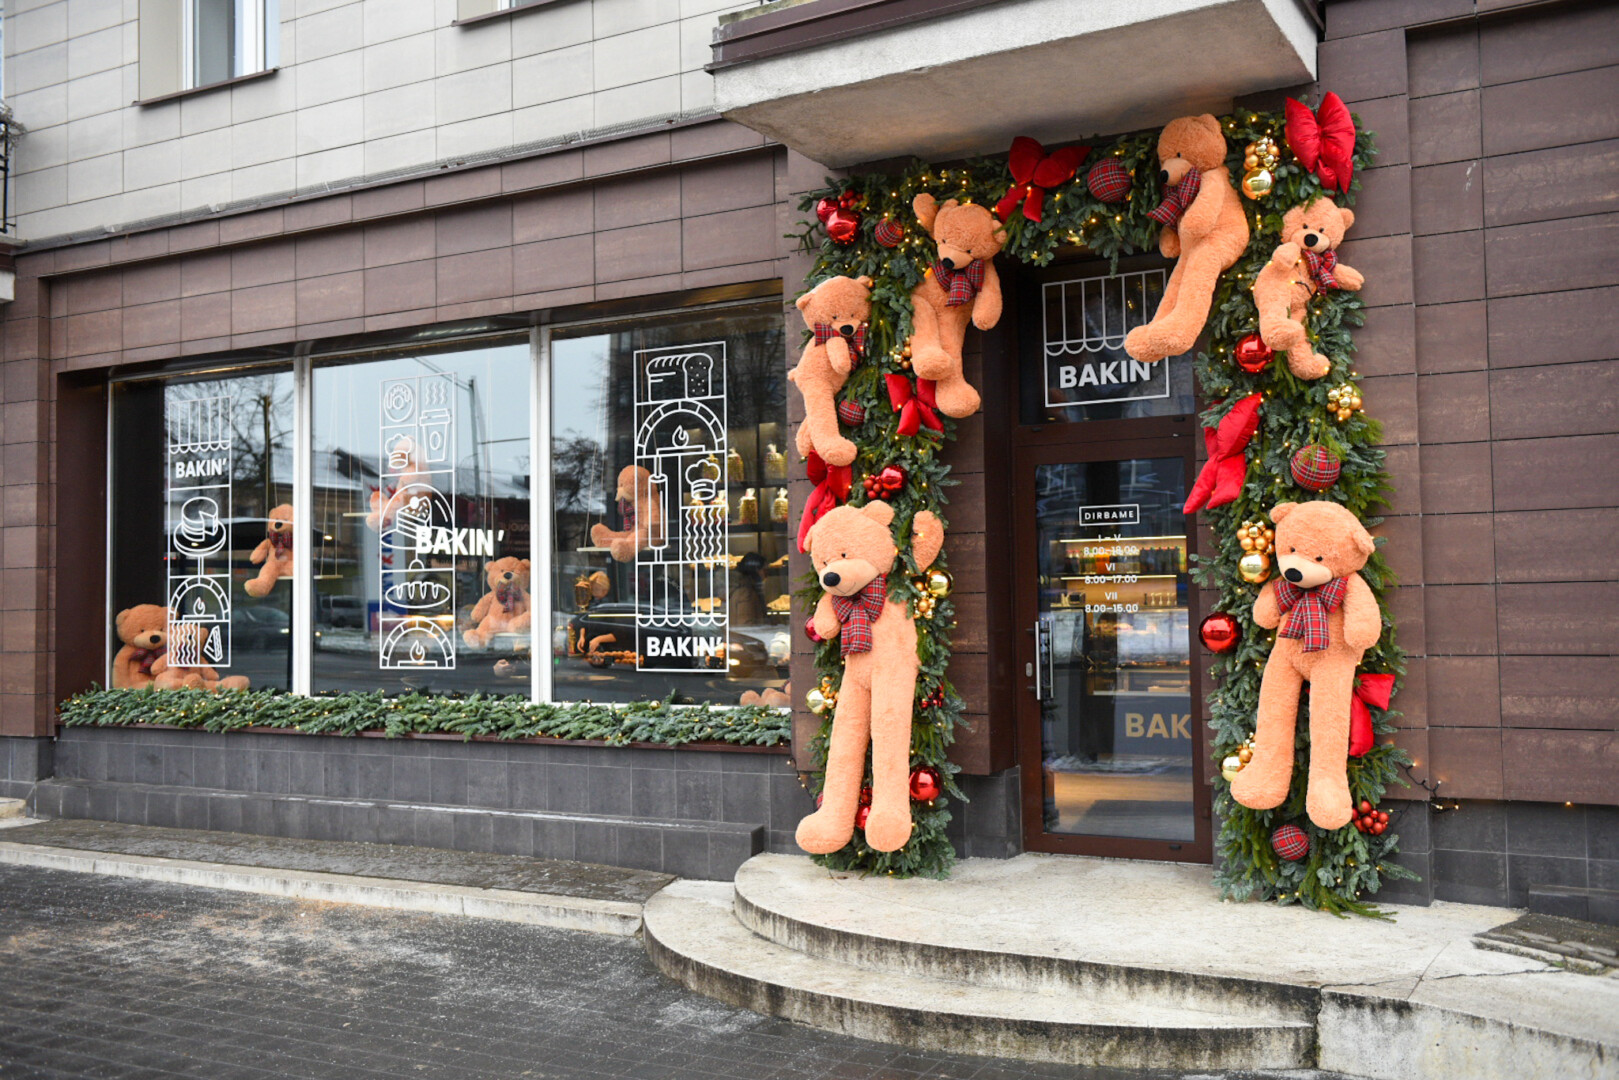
point(506, 576)
point(830, 579)
point(1293, 575)
point(1311, 239)
point(949, 263)
point(1163, 177)
point(847, 329)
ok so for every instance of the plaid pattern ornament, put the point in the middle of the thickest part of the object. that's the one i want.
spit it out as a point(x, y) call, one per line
point(1109, 180)
point(1315, 468)
point(1307, 610)
point(889, 233)
point(857, 613)
point(1177, 199)
point(851, 413)
point(960, 286)
point(1290, 843)
point(825, 332)
point(1321, 268)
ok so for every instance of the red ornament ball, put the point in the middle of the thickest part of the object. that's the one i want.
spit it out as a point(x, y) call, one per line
point(843, 226)
point(1315, 468)
point(892, 478)
point(889, 233)
point(810, 631)
point(824, 208)
point(925, 784)
point(1252, 354)
point(849, 200)
point(1109, 180)
point(851, 413)
point(1220, 632)
point(860, 816)
point(1290, 843)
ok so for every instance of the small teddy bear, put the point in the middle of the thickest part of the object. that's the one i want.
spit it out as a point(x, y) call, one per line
point(1204, 231)
point(274, 551)
point(1304, 263)
point(640, 507)
point(961, 286)
point(1328, 618)
point(143, 629)
point(853, 552)
point(505, 607)
point(836, 310)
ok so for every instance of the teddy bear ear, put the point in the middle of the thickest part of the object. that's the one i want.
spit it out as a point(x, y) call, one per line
point(524, 563)
point(879, 511)
point(926, 209)
point(1347, 217)
point(1209, 121)
point(1281, 510)
point(1364, 543)
point(868, 283)
point(949, 204)
point(803, 301)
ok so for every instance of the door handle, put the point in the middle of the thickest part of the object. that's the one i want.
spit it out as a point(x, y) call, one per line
point(1044, 672)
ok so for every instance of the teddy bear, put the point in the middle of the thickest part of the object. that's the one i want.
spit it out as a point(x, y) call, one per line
point(836, 310)
point(1204, 230)
point(1304, 263)
point(504, 608)
point(143, 629)
point(959, 287)
point(853, 551)
point(776, 699)
point(640, 506)
point(1328, 618)
point(274, 551)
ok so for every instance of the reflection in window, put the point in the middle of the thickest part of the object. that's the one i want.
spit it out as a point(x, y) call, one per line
point(669, 472)
point(421, 499)
point(202, 516)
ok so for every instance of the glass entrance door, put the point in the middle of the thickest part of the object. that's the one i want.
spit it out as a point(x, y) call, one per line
point(1111, 682)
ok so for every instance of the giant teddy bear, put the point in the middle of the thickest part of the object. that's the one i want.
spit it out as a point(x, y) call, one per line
point(1304, 263)
point(640, 505)
point(143, 660)
point(504, 609)
point(1204, 231)
point(274, 551)
point(1328, 618)
point(961, 286)
point(853, 552)
point(836, 310)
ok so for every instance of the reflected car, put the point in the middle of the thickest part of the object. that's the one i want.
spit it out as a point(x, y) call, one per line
point(260, 627)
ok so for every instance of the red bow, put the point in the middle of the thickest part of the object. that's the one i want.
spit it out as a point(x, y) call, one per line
point(1220, 482)
point(1321, 268)
point(1308, 610)
point(915, 406)
point(147, 657)
point(857, 613)
point(509, 596)
point(1177, 200)
point(281, 543)
point(1033, 171)
point(1324, 140)
point(832, 483)
point(825, 332)
point(1376, 690)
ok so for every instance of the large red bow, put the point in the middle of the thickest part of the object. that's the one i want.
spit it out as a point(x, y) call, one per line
point(858, 613)
point(1220, 482)
point(1376, 690)
point(1323, 141)
point(1033, 171)
point(832, 483)
point(915, 406)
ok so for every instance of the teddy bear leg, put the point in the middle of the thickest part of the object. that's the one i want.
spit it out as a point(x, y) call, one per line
point(956, 396)
point(1173, 332)
point(473, 636)
point(1307, 364)
point(930, 359)
point(889, 825)
point(830, 827)
point(821, 417)
point(521, 624)
point(1263, 782)
point(749, 697)
point(1327, 799)
point(233, 682)
point(261, 585)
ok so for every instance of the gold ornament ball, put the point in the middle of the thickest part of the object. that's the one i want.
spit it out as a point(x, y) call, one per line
point(1247, 543)
point(1230, 767)
point(1254, 567)
point(1245, 754)
point(817, 701)
point(939, 583)
point(1258, 184)
point(1250, 162)
point(1355, 402)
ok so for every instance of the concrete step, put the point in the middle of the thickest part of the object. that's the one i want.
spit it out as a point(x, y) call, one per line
point(12, 808)
point(693, 937)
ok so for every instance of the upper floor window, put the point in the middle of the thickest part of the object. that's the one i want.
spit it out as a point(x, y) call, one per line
point(190, 44)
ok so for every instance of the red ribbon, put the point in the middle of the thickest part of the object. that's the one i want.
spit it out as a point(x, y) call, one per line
point(1033, 171)
point(832, 483)
point(145, 658)
point(915, 405)
point(1220, 481)
point(281, 544)
point(1324, 140)
point(508, 596)
point(1375, 690)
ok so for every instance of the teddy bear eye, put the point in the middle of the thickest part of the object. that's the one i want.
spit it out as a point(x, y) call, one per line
point(1291, 550)
point(1318, 558)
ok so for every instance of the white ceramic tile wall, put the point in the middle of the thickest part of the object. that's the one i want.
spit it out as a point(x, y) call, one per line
point(365, 86)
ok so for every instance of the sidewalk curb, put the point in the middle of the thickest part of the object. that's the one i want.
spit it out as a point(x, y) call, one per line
point(618, 917)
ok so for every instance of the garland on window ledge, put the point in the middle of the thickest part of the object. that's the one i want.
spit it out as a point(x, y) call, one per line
point(503, 717)
point(882, 240)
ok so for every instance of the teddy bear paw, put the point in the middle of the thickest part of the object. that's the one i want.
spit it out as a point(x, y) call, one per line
point(1329, 806)
point(887, 830)
point(819, 834)
point(1309, 365)
point(1141, 344)
point(956, 398)
point(840, 452)
point(1257, 791)
point(934, 363)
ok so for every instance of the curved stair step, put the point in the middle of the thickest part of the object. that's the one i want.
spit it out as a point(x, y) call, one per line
point(693, 937)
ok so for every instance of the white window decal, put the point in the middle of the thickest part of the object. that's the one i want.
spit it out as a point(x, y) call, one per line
point(1085, 323)
point(681, 623)
point(199, 528)
point(416, 619)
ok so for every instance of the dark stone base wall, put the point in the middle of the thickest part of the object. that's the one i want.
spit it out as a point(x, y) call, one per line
point(23, 762)
point(989, 824)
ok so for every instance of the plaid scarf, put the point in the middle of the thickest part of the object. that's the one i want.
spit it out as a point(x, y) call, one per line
point(858, 612)
point(509, 596)
point(1321, 268)
point(960, 286)
point(825, 332)
point(1177, 199)
point(1309, 621)
point(281, 544)
point(147, 657)
point(626, 513)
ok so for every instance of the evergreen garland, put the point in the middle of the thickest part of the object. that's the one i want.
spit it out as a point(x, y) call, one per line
point(1343, 865)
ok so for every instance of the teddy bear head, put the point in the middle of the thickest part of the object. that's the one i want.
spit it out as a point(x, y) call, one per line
point(1318, 541)
point(1319, 225)
point(280, 520)
point(964, 232)
point(850, 546)
point(144, 626)
point(1190, 142)
point(634, 483)
point(842, 303)
point(507, 571)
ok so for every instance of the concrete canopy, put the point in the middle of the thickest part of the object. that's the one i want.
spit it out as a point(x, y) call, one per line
point(1057, 70)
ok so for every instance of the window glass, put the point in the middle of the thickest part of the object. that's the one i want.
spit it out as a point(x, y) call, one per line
point(669, 467)
point(421, 501)
point(202, 527)
point(215, 56)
